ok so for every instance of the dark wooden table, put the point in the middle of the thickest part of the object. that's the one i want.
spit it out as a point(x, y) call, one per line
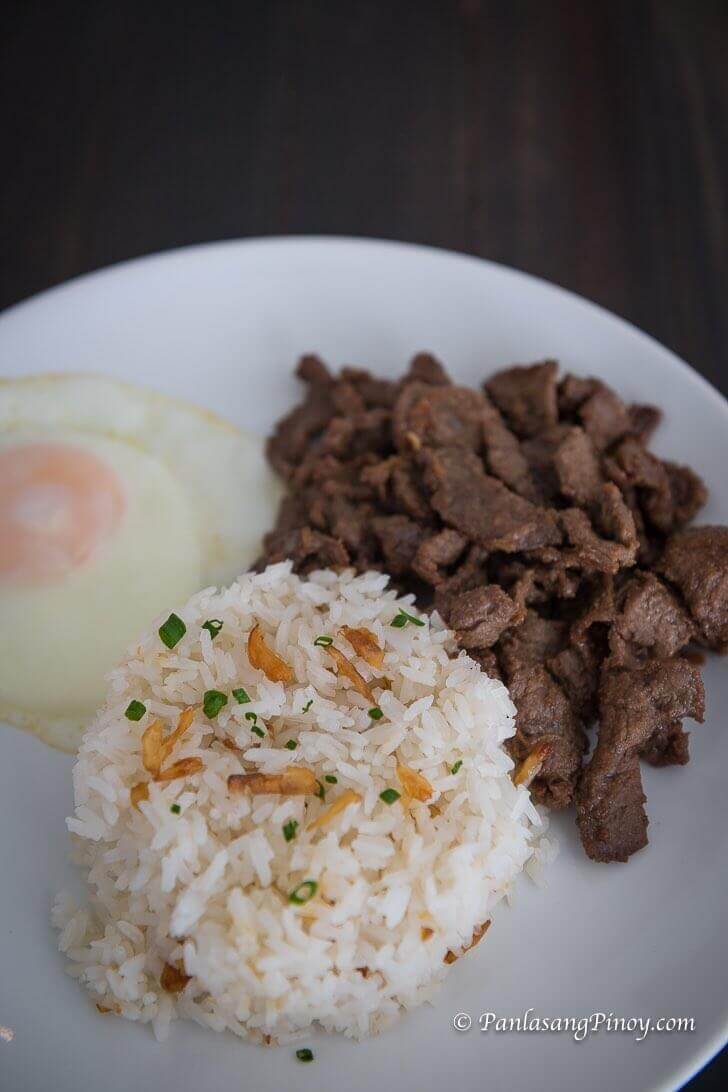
point(586, 143)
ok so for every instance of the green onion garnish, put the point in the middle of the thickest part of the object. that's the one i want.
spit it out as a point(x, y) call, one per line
point(331, 779)
point(213, 626)
point(292, 744)
point(323, 641)
point(175, 809)
point(401, 619)
point(303, 892)
point(389, 796)
point(376, 713)
point(304, 1055)
point(258, 731)
point(457, 766)
point(242, 697)
point(172, 631)
point(135, 710)
point(308, 705)
point(320, 791)
point(289, 829)
point(213, 702)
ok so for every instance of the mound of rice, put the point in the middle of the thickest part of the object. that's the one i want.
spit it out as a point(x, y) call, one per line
point(192, 886)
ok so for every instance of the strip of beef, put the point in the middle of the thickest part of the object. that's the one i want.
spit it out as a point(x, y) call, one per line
point(400, 539)
point(651, 620)
point(437, 416)
point(294, 432)
point(669, 494)
point(471, 572)
point(634, 707)
point(587, 550)
point(480, 616)
point(540, 455)
point(307, 549)
point(437, 553)
point(526, 395)
point(696, 562)
point(577, 468)
point(481, 507)
point(357, 433)
point(426, 368)
point(397, 484)
point(503, 455)
point(544, 714)
point(375, 393)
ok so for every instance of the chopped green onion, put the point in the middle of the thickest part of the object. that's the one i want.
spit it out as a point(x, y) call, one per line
point(331, 779)
point(213, 627)
point(308, 705)
point(457, 766)
point(213, 702)
point(175, 809)
point(242, 697)
point(292, 744)
point(258, 731)
point(323, 641)
point(304, 1055)
point(289, 829)
point(401, 619)
point(251, 716)
point(389, 796)
point(376, 713)
point(135, 710)
point(303, 892)
point(172, 631)
point(320, 791)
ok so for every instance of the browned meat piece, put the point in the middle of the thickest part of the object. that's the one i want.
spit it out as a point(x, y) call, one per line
point(668, 746)
point(307, 549)
point(576, 668)
point(470, 573)
point(399, 538)
point(540, 453)
point(445, 416)
point(651, 618)
point(481, 615)
point(488, 662)
point(437, 553)
point(604, 417)
point(397, 484)
point(572, 392)
point(355, 434)
point(634, 706)
point(526, 395)
point(696, 562)
point(587, 550)
point(577, 468)
point(533, 642)
point(689, 493)
point(294, 432)
point(544, 714)
point(503, 455)
point(643, 420)
point(375, 393)
point(426, 368)
point(481, 507)
point(614, 518)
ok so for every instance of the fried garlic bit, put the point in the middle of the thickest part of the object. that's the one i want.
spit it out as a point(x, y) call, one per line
point(265, 659)
point(156, 750)
point(173, 979)
point(426, 932)
point(413, 783)
point(340, 804)
point(365, 644)
point(184, 767)
point(293, 781)
point(104, 1009)
point(138, 793)
point(532, 764)
point(478, 934)
point(345, 667)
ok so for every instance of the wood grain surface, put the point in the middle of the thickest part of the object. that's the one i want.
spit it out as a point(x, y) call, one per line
point(583, 142)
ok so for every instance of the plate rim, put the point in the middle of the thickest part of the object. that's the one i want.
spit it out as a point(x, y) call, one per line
point(707, 1053)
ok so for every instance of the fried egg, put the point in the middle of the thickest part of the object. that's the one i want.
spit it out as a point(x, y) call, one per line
point(116, 503)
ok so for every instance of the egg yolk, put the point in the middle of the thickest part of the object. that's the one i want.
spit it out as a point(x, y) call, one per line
point(58, 504)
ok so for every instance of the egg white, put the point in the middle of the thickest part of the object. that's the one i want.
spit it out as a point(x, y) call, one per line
point(199, 497)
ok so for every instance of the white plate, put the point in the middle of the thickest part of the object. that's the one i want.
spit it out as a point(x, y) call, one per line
point(222, 325)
